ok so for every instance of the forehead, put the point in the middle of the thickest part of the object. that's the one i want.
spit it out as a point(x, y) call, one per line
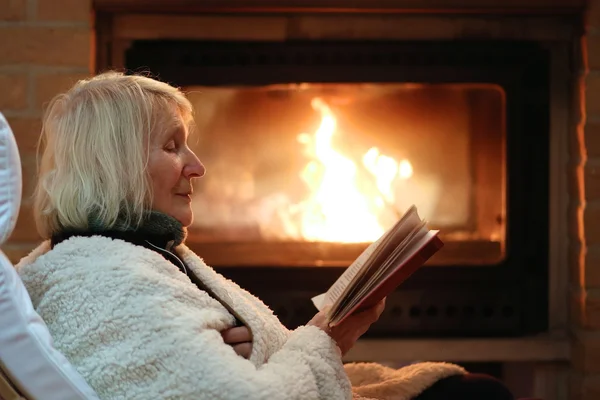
point(169, 122)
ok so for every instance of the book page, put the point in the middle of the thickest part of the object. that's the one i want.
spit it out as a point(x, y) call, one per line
point(319, 301)
point(395, 260)
point(383, 249)
point(397, 257)
point(336, 290)
point(411, 252)
point(348, 281)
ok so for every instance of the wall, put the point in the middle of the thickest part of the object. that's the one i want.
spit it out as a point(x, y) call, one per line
point(585, 217)
point(45, 46)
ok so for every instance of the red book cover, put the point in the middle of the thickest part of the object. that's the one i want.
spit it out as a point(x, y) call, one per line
point(398, 276)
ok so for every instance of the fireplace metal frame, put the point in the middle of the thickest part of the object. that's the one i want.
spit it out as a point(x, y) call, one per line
point(497, 299)
point(412, 305)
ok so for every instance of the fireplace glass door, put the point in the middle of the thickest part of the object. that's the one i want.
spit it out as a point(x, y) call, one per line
point(310, 174)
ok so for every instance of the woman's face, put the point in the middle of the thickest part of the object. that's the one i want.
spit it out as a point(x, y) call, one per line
point(172, 165)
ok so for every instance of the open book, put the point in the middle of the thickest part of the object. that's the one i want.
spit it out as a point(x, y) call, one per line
point(382, 267)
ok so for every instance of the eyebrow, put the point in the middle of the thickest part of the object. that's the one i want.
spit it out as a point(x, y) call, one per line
point(179, 129)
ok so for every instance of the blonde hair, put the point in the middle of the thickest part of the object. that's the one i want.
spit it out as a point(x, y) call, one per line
point(95, 139)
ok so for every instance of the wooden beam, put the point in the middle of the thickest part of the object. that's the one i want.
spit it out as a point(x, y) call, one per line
point(278, 28)
point(343, 6)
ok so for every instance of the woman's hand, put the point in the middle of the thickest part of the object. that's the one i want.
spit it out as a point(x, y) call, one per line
point(240, 339)
point(353, 327)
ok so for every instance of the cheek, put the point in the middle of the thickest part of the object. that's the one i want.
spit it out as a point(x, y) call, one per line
point(165, 172)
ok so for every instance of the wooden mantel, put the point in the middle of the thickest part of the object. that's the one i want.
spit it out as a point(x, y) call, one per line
point(343, 6)
point(543, 348)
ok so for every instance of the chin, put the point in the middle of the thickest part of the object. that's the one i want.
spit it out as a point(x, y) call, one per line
point(185, 219)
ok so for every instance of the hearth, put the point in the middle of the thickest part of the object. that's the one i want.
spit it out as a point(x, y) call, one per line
point(313, 148)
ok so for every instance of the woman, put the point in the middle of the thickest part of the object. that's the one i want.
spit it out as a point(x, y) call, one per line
point(137, 313)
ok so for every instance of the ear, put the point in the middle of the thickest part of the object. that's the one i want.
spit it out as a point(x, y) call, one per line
point(10, 180)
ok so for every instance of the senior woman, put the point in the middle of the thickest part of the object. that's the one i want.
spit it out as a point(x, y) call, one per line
point(136, 312)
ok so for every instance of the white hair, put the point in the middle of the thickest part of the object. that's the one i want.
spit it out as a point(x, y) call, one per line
point(95, 140)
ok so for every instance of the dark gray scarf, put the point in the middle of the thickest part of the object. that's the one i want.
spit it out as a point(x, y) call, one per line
point(158, 228)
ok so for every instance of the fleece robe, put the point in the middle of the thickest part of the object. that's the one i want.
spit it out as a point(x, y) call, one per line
point(135, 327)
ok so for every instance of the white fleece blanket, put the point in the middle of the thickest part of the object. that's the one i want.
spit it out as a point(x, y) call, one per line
point(135, 327)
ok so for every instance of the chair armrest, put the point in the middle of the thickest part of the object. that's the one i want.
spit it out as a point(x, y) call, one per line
point(7, 389)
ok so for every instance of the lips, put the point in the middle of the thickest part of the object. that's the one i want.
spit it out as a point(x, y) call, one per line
point(186, 197)
point(184, 190)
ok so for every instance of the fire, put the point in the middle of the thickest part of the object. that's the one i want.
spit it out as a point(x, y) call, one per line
point(347, 196)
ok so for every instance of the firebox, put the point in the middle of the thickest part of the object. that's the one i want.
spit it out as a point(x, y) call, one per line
point(314, 148)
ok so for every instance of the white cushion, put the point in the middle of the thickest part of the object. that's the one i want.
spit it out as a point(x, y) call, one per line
point(10, 180)
point(27, 355)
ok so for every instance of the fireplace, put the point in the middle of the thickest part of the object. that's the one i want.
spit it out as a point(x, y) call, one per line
point(314, 148)
point(311, 164)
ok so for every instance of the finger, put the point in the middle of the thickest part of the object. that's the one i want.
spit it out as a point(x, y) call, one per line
point(379, 307)
point(361, 318)
point(243, 349)
point(238, 334)
point(376, 313)
point(372, 313)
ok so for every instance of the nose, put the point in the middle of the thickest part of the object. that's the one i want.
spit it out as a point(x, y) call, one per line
point(193, 166)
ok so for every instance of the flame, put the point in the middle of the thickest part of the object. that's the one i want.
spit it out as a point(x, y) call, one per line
point(342, 206)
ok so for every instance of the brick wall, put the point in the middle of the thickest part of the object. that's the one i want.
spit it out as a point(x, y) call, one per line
point(45, 46)
point(585, 216)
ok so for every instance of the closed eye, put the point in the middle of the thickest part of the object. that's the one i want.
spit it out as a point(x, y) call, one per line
point(171, 146)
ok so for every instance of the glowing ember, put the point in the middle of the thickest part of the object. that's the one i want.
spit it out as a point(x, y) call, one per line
point(346, 199)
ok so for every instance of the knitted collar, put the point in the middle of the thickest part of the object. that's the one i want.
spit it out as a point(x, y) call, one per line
point(158, 228)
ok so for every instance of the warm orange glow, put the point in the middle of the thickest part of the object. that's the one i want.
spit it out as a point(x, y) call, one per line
point(346, 196)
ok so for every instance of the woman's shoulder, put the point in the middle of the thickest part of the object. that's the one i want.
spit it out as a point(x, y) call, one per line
point(92, 255)
point(78, 246)
point(100, 267)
